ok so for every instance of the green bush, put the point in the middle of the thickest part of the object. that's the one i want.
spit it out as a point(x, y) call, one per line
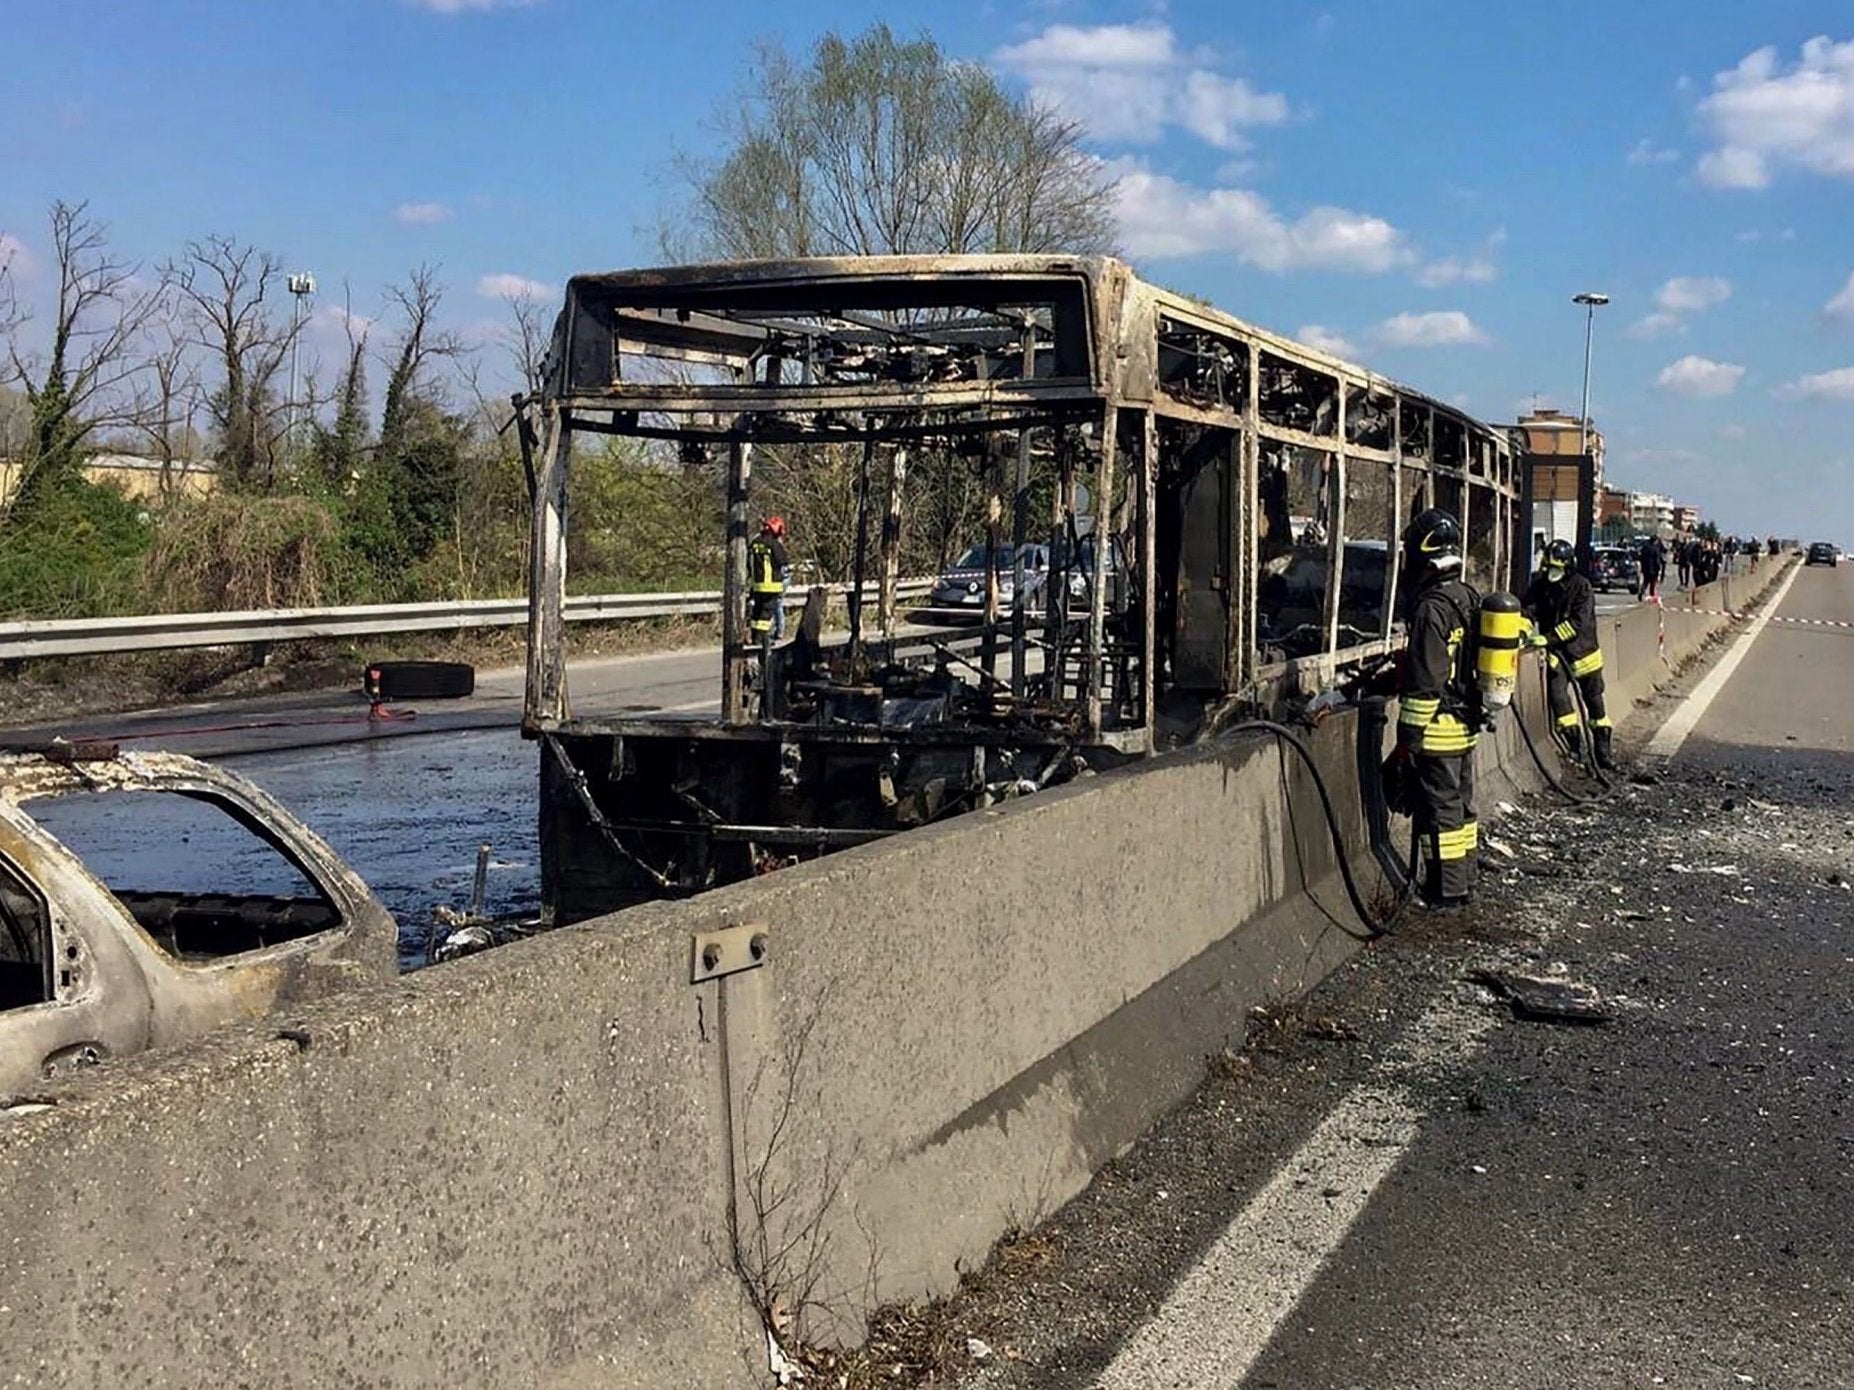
point(73, 550)
point(235, 550)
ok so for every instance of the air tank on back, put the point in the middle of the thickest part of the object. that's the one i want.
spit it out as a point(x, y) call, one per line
point(1496, 667)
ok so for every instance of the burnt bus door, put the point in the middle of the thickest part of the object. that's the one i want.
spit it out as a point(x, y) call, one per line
point(1206, 570)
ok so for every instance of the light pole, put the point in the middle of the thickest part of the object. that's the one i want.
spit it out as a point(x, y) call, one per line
point(1590, 301)
point(301, 287)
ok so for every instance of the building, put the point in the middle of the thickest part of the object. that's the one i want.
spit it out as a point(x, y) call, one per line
point(136, 478)
point(1686, 518)
point(1650, 511)
point(1612, 505)
point(1554, 432)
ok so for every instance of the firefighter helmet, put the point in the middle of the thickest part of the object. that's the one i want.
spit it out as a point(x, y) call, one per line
point(1432, 542)
point(1559, 557)
point(776, 526)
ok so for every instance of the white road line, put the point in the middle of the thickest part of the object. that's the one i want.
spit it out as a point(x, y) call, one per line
point(1223, 1313)
point(1671, 735)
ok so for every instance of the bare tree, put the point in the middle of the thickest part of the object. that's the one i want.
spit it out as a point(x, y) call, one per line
point(530, 338)
point(168, 403)
point(882, 146)
point(224, 287)
point(421, 342)
point(85, 380)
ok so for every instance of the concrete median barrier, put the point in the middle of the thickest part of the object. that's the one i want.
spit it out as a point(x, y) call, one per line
point(563, 1164)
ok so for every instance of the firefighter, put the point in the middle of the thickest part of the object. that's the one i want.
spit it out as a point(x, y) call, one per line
point(1562, 606)
point(1439, 713)
point(766, 572)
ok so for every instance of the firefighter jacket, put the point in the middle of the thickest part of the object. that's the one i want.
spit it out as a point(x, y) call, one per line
point(766, 565)
point(1438, 711)
point(1564, 612)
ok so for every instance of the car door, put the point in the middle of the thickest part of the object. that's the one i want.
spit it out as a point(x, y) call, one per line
point(71, 993)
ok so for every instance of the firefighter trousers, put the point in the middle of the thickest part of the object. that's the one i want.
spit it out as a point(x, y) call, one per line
point(1446, 827)
point(1564, 708)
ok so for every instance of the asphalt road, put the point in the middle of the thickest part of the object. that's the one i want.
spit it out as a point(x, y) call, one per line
point(1401, 1184)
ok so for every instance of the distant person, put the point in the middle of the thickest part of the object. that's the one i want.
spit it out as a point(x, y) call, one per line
point(1683, 560)
point(767, 568)
point(1653, 560)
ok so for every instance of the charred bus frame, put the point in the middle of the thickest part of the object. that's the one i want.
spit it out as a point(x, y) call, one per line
point(1220, 506)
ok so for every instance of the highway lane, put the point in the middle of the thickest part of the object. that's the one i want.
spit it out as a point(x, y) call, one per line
point(1422, 1191)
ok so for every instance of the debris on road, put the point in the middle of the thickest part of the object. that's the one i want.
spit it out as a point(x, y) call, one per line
point(1545, 998)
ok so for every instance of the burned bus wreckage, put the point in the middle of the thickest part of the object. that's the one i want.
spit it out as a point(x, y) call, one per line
point(1216, 508)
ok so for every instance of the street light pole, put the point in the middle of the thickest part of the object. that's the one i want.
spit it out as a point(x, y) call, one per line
point(301, 287)
point(1590, 301)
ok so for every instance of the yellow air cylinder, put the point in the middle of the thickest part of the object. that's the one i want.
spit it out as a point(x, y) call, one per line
point(1496, 668)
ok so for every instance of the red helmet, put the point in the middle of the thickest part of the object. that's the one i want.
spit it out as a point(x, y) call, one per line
point(776, 525)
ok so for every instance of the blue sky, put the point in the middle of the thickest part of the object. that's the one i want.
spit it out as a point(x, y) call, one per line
point(1424, 184)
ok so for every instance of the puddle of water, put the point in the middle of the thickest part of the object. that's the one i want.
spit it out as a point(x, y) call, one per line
point(408, 814)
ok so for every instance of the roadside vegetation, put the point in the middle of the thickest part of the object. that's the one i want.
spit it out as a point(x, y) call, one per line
point(389, 474)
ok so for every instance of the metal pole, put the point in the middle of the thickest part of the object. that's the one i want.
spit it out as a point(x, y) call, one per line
point(734, 596)
point(860, 564)
point(296, 347)
point(1020, 533)
point(1583, 415)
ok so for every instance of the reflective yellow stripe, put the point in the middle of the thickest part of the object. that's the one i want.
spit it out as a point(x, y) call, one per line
point(1447, 734)
point(1584, 665)
point(1566, 630)
point(1566, 721)
point(1456, 844)
point(1602, 723)
point(1417, 712)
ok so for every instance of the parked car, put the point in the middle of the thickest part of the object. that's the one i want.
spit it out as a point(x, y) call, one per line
point(1615, 567)
point(1822, 553)
point(147, 897)
point(959, 592)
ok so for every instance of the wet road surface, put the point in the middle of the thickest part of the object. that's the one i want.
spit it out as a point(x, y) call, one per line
point(1398, 1183)
point(408, 814)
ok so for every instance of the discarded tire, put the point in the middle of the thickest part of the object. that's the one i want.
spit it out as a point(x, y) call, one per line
point(418, 680)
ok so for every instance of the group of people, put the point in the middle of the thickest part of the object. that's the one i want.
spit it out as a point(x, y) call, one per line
point(1430, 773)
point(1696, 560)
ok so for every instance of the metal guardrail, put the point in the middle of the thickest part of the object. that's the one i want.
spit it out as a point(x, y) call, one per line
point(41, 637)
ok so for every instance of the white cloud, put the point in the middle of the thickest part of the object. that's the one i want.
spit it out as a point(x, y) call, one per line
point(1661, 456)
point(422, 214)
point(1646, 151)
point(1841, 307)
point(466, 6)
point(1442, 328)
point(1161, 217)
point(1650, 326)
point(506, 286)
point(1699, 377)
point(1682, 295)
point(1837, 385)
point(1475, 269)
point(1764, 116)
point(1733, 431)
point(1688, 294)
point(1128, 82)
point(1732, 168)
point(14, 256)
point(1316, 335)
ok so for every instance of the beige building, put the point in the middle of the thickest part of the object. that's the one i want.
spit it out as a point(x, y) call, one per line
point(137, 478)
point(1554, 432)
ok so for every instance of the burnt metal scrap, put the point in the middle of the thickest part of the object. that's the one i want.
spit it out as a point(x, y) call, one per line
point(1212, 508)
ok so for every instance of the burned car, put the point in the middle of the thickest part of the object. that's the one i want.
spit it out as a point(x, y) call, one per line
point(148, 897)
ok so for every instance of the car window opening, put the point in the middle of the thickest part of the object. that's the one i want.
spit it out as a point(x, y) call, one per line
point(25, 935)
point(199, 878)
